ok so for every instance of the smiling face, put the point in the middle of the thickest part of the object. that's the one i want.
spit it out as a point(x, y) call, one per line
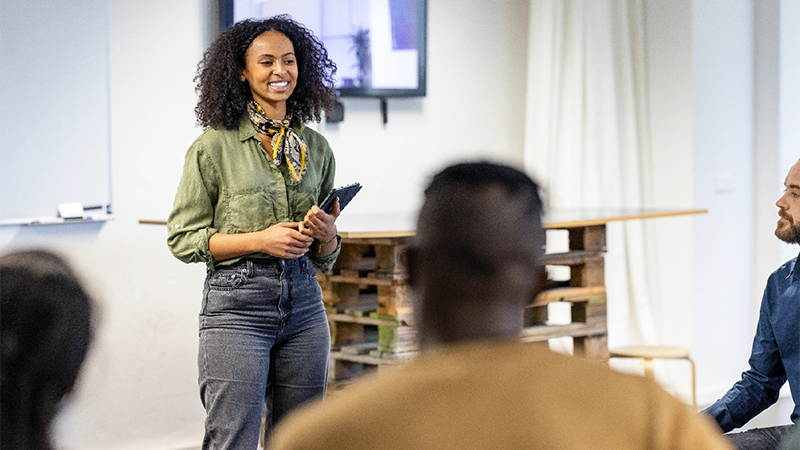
point(788, 229)
point(271, 71)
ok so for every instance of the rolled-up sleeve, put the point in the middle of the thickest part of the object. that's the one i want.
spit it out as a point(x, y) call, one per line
point(325, 263)
point(191, 221)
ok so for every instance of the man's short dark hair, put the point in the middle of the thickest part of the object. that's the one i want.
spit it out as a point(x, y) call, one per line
point(480, 174)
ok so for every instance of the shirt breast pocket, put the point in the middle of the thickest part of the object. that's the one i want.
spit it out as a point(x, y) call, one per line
point(250, 210)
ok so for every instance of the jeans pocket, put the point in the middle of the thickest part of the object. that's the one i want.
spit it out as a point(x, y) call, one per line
point(221, 291)
point(226, 279)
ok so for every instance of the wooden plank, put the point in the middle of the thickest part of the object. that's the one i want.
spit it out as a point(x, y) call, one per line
point(571, 218)
point(402, 356)
point(572, 258)
point(392, 238)
point(395, 278)
point(589, 238)
point(364, 264)
point(377, 234)
point(542, 333)
point(592, 273)
point(371, 360)
point(346, 318)
point(591, 294)
point(355, 256)
point(588, 313)
point(355, 279)
point(358, 349)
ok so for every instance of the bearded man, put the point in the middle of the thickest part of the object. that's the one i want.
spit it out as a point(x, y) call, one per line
point(775, 357)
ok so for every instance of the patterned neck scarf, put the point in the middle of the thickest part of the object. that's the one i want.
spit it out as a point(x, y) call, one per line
point(285, 142)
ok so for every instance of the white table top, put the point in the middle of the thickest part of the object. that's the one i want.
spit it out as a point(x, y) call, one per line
point(390, 225)
point(402, 224)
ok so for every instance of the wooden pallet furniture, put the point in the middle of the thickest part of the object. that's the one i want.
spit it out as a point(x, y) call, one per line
point(368, 304)
point(370, 312)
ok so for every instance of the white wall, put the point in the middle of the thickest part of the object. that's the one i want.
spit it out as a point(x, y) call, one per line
point(138, 390)
point(722, 92)
point(669, 93)
point(789, 103)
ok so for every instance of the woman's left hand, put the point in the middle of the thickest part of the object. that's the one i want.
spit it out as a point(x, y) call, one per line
point(322, 226)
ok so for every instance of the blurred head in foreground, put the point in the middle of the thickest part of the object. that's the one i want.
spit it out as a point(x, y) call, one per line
point(475, 264)
point(46, 326)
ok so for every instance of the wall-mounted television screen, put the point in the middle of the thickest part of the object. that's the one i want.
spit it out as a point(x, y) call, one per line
point(378, 45)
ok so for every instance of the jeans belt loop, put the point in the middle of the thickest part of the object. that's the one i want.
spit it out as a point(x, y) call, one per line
point(249, 267)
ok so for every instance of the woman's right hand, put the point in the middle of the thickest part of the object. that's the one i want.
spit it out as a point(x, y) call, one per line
point(282, 240)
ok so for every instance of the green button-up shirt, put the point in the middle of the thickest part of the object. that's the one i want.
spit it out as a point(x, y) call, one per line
point(230, 186)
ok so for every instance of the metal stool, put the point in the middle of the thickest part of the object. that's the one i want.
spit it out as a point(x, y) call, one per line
point(650, 352)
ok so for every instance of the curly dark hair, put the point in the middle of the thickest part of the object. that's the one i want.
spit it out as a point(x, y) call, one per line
point(224, 96)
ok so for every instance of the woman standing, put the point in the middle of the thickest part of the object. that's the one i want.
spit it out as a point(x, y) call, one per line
point(246, 207)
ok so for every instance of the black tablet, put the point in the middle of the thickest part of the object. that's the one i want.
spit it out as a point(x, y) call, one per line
point(344, 193)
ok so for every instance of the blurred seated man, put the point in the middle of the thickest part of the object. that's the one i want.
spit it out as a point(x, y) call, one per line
point(45, 329)
point(473, 268)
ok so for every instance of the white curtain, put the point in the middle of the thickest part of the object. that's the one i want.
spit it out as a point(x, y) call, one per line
point(587, 136)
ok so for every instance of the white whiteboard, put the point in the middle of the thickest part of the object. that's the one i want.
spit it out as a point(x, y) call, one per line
point(54, 106)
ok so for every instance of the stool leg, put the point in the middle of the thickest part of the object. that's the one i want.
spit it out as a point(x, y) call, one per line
point(694, 385)
point(648, 368)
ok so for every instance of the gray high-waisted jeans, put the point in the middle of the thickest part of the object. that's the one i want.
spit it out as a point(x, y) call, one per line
point(264, 337)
